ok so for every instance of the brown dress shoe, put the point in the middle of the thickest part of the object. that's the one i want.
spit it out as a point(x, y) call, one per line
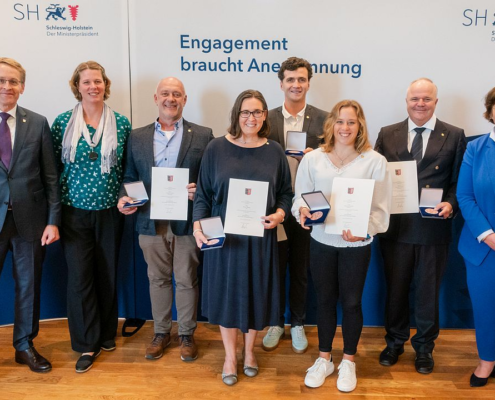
point(188, 348)
point(31, 358)
point(155, 349)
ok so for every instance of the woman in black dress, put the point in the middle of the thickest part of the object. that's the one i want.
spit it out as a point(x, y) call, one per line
point(240, 280)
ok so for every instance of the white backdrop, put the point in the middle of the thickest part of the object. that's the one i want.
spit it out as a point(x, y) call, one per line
point(139, 42)
point(50, 60)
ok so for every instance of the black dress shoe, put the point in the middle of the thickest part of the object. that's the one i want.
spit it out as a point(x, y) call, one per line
point(424, 363)
point(479, 382)
point(389, 356)
point(85, 362)
point(31, 358)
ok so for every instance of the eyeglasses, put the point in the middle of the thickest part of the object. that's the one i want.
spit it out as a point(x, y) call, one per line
point(12, 82)
point(255, 113)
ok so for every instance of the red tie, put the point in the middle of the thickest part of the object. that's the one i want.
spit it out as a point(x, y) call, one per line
point(5, 140)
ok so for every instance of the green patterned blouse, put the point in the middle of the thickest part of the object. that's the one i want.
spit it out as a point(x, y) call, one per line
point(82, 183)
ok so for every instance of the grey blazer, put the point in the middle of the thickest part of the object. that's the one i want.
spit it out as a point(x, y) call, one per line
point(31, 182)
point(313, 125)
point(140, 160)
point(439, 168)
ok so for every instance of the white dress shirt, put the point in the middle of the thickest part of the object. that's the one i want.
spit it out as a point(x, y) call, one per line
point(430, 126)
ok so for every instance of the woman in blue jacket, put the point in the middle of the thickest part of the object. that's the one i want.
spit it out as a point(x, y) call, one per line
point(476, 196)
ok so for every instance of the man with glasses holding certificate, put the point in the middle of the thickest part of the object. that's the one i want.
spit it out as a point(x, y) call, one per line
point(168, 245)
point(298, 118)
point(415, 249)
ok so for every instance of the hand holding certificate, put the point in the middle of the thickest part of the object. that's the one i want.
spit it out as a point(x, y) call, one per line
point(404, 187)
point(246, 204)
point(169, 193)
point(350, 205)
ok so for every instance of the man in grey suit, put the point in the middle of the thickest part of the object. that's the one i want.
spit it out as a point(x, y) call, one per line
point(29, 206)
point(168, 246)
point(294, 115)
point(415, 249)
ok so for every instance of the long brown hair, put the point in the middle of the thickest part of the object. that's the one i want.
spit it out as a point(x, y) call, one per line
point(362, 142)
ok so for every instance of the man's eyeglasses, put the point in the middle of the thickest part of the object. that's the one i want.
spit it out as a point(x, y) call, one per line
point(12, 82)
point(255, 113)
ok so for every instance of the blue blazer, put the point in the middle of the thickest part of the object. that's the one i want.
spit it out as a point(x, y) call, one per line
point(476, 197)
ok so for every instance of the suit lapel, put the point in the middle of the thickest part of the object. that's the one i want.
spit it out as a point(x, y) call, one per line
point(279, 127)
point(21, 131)
point(308, 116)
point(436, 141)
point(187, 135)
point(401, 136)
point(147, 148)
point(489, 159)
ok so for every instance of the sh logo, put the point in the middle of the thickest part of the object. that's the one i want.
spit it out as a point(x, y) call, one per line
point(55, 12)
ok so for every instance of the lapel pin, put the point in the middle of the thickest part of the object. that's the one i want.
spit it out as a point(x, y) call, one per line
point(307, 116)
point(23, 120)
point(443, 134)
point(189, 130)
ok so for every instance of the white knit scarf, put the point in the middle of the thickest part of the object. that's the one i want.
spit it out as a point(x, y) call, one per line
point(106, 131)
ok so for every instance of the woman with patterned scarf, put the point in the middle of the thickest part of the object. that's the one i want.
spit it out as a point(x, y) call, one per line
point(89, 144)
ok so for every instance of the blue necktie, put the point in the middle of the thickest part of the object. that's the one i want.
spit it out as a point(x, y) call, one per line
point(417, 145)
point(5, 140)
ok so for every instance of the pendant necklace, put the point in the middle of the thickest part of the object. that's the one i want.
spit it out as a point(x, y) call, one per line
point(342, 159)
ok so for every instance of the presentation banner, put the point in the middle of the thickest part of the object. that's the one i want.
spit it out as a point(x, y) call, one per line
point(364, 50)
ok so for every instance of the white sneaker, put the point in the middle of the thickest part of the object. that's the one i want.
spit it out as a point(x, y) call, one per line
point(347, 380)
point(317, 374)
point(272, 338)
point(299, 341)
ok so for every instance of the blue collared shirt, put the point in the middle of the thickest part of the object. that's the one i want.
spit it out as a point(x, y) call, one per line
point(165, 150)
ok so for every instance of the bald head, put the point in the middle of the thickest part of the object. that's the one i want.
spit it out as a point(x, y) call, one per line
point(171, 82)
point(421, 100)
point(170, 98)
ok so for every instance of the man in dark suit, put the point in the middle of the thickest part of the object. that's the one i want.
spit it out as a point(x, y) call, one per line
point(168, 246)
point(294, 115)
point(29, 206)
point(415, 249)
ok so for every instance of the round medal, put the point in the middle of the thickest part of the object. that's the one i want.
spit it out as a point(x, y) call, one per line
point(93, 155)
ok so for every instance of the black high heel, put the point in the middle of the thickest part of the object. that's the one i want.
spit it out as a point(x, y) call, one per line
point(480, 382)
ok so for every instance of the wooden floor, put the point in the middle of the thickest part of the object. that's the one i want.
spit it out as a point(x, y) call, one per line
point(126, 374)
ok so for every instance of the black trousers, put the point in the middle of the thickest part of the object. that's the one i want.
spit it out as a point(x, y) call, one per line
point(339, 273)
point(91, 241)
point(423, 267)
point(294, 256)
point(27, 261)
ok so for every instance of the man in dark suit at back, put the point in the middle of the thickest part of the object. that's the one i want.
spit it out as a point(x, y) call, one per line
point(169, 247)
point(29, 206)
point(415, 249)
point(294, 115)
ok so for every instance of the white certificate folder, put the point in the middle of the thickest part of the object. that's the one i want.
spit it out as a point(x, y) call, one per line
point(213, 230)
point(169, 199)
point(350, 204)
point(318, 207)
point(137, 192)
point(246, 204)
point(404, 176)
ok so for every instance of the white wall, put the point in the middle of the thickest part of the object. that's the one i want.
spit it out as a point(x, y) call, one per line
point(395, 42)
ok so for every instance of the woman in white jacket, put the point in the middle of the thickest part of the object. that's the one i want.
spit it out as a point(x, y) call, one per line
point(339, 263)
